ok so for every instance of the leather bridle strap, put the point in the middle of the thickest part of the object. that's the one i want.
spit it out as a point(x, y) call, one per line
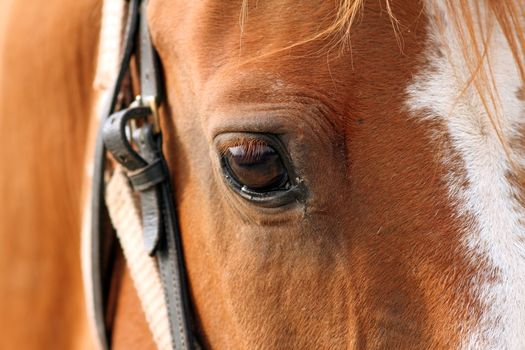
point(133, 138)
point(99, 216)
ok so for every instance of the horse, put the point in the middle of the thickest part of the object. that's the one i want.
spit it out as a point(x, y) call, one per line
point(399, 121)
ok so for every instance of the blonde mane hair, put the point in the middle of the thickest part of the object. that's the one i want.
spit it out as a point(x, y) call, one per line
point(474, 23)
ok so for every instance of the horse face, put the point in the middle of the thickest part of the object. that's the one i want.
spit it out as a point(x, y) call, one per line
point(370, 250)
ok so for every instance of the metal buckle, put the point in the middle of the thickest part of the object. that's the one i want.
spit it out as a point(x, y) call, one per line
point(151, 102)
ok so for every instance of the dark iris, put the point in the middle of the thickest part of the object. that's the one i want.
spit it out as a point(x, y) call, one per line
point(257, 166)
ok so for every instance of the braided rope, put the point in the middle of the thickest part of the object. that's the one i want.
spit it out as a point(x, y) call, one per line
point(126, 219)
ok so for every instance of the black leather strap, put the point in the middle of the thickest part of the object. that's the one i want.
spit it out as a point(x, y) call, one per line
point(147, 177)
point(149, 72)
point(99, 235)
point(116, 140)
point(139, 150)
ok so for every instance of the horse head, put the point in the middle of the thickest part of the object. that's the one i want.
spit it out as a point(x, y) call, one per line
point(345, 172)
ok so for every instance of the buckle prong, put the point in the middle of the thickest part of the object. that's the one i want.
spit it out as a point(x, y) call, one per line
point(151, 102)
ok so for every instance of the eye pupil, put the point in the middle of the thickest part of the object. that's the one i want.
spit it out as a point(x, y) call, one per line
point(257, 166)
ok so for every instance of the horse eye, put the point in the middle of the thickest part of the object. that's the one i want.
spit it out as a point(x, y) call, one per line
point(257, 166)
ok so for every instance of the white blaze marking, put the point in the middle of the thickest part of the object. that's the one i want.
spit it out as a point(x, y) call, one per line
point(498, 232)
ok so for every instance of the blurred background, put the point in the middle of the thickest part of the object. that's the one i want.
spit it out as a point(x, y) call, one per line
point(47, 51)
